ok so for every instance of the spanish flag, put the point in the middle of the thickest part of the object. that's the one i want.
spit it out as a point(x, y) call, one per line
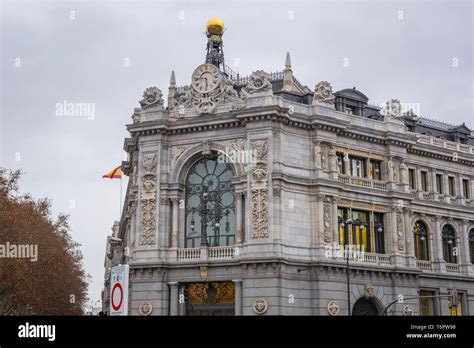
point(114, 173)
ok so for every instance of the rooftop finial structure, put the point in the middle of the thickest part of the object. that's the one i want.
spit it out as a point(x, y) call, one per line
point(215, 53)
point(288, 61)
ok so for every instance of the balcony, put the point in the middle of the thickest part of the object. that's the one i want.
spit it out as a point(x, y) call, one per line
point(211, 253)
point(424, 265)
point(363, 182)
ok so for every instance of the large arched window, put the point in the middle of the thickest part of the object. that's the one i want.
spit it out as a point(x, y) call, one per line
point(420, 233)
point(471, 245)
point(210, 204)
point(449, 243)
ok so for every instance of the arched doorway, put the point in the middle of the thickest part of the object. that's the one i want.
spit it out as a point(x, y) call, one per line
point(365, 307)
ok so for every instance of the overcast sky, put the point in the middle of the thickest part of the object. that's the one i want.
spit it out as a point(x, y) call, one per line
point(108, 52)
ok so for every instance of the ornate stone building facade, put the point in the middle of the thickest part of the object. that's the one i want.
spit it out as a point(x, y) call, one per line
point(259, 196)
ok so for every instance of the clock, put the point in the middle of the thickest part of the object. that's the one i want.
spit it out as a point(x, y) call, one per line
point(206, 78)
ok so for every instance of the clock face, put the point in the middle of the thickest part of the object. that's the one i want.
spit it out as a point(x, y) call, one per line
point(206, 78)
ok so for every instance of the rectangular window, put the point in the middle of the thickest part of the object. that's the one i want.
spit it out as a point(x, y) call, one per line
point(375, 170)
point(427, 305)
point(466, 189)
point(412, 178)
point(452, 188)
point(349, 110)
point(456, 310)
point(424, 181)
point(439, 184)
point(358, 167)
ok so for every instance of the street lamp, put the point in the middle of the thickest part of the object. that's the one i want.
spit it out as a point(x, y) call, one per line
point(343, 223)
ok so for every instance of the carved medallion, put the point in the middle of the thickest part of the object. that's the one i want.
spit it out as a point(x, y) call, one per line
point(145, 308)
point(260, 306)
point(333, 308)
point(407, 310)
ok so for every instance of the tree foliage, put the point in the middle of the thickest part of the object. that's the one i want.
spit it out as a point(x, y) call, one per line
point(55, 284)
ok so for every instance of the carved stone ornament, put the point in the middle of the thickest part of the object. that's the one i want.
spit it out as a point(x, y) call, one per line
point(203, 270)
point(151, 97)
point(318, 155)
point(391, 170)
point(149, 164)
point(333, 308)
point(136, 115)
point(259, 202)
point(260, 306)
point(259, 81)
point(176, 151)
point(145, 308)
point(261, 150)
point(407, 310)
point(323, 93)
point(400, 231)
point(147, 222)
point(327, 222)
point(393, 108)
point(209, 88)
point(404, 173)
point(368, 290)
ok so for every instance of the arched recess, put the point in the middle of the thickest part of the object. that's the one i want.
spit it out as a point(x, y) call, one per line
point(448, 239)
point(367, 307)
point(420, 240)
point(182, 164)
point(180, 168)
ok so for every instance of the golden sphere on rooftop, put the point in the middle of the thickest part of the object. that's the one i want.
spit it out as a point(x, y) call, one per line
point(215, 25)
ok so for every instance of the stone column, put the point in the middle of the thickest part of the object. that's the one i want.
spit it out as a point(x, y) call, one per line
point(419, 189)
point(238, 296)
point(174, 223)
point(174, 296)
point(238, 217)
point(438, 258)
point(409, 250)
point(464, 254)
point(432, 185)
point(447, 196)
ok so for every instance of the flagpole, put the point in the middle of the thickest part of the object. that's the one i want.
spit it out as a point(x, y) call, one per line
point(120, 205)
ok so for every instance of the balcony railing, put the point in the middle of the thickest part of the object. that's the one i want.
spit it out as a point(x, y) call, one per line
point(225, 252)
point(365, 257)
point(450, 145)
point(452, 268)
point(363, 182)
point(212, 253)
point(423, 265)
point(188, 254)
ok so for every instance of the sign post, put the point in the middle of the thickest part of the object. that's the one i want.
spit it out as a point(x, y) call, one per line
point(119, 290)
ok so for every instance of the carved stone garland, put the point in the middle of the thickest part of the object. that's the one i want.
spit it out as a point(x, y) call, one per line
point(259, 191)
point(148, 201)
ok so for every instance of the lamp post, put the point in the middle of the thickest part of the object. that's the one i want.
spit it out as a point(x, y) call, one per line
point(343, 223)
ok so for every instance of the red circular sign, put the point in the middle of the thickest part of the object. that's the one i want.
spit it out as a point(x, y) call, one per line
point(117, 285)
